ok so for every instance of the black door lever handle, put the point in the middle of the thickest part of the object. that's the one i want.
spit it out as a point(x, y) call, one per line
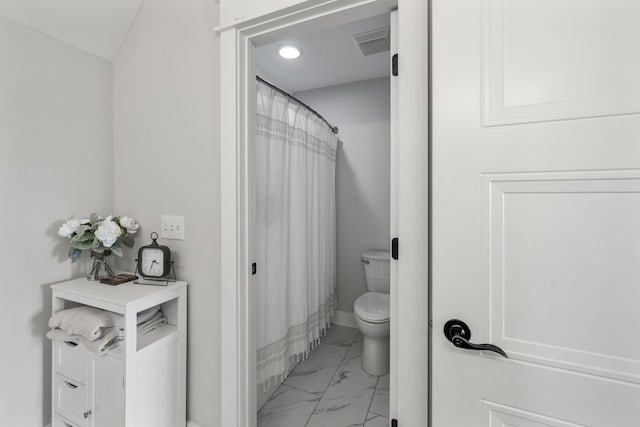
point(459, 334)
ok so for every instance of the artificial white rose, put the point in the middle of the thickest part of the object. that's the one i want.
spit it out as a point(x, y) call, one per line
point(69, 227)
point(85, 221)
point(108, 233)
point(129, 224)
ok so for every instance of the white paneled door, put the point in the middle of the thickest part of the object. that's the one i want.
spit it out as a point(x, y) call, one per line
point(536, 212)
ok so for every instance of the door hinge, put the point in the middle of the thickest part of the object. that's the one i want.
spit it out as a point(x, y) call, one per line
point(254, 268)
point(394, 423)
point(394, 248)
point(394, 65)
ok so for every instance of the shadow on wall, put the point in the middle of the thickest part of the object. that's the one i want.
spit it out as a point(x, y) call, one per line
point(60, 247)
point(40, 320)
point(355, 228)
point(39, 327)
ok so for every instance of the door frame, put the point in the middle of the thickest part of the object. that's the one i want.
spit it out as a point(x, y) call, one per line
point(410, 199)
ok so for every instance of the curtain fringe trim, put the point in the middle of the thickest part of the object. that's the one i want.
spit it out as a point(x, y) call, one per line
point(298, 357)
point(275, 361)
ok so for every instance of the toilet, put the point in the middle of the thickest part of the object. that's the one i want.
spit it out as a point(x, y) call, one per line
point(371, 311)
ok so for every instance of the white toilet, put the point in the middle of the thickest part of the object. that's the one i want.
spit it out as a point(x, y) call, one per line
point(371, 311)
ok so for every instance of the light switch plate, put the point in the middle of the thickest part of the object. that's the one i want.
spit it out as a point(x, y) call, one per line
point(172, 227)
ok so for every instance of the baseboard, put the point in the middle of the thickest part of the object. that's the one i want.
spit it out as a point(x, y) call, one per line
point(345, 318)
point(189, 424)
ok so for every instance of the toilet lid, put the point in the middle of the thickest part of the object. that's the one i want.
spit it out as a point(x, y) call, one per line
point(376, 255)
point(372, 307)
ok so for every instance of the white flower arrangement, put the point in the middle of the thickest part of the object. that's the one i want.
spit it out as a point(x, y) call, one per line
point(101, 235)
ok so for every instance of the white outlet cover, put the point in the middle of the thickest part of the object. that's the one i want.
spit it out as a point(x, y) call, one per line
point(172, 227)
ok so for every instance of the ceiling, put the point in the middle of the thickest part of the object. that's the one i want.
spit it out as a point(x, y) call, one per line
point(330, 57)
point(95, 26)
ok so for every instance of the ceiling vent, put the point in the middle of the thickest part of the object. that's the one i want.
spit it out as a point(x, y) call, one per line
point(374, 41)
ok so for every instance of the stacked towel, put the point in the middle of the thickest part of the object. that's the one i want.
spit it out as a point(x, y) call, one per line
point(100, 346)
point(148, 325)
point(99, 330)
point(87, 322)
point(153, 323)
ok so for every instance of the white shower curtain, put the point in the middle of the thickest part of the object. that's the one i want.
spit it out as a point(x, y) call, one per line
point(294, 218)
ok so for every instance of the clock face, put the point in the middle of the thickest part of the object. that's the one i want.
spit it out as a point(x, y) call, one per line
point(152, 262)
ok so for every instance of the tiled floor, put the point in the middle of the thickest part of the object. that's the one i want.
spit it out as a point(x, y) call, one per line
point(330, 389)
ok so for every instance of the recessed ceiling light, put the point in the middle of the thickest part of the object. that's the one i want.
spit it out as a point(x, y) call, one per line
point(289, 51)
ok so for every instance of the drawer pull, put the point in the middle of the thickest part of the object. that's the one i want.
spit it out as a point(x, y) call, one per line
point(66, 424)
point(71, 343)
point(70, 385)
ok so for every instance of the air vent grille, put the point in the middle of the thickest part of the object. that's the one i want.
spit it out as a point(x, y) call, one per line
point(374, 41)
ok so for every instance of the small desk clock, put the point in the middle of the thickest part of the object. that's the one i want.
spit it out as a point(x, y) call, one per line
point(154, 264)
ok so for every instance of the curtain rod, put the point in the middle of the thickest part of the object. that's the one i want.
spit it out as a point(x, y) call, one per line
point(334, 129)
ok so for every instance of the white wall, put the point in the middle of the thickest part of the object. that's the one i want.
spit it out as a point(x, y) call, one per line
point(55, 162)
point(361, 111)
point(167, 162)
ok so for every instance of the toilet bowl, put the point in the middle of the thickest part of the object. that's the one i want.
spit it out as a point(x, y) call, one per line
point(371, 311)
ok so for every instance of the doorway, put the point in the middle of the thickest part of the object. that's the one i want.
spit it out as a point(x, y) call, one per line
point(409, 201)
point(340, 81)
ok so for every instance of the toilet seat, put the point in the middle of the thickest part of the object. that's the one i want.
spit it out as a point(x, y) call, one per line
point(372, 307)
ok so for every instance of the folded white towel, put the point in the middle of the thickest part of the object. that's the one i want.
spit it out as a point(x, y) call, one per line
point(158, 315)
point(103, 344)
point(85, 321)
point(89, 322)
point(147, 314)
point(100, 346)
point(60, 335)
point(147, 326)
point(152, 324)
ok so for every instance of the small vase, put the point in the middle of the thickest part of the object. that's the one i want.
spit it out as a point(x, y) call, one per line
point(100, 268)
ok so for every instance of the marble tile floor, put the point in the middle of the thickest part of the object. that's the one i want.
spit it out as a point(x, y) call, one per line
point(330, 389)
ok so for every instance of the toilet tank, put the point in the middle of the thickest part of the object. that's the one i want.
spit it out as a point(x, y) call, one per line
point(376, 270)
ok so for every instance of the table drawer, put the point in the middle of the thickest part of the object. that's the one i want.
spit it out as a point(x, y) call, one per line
point(60, 421)
point(70, 360)
point(69, 399)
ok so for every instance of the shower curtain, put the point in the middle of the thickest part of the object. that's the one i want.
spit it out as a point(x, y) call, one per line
point(295, 228)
